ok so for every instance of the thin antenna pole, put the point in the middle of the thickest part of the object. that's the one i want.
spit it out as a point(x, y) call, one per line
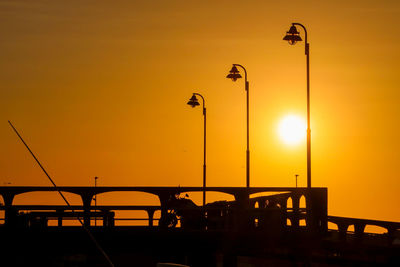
point(66, 201)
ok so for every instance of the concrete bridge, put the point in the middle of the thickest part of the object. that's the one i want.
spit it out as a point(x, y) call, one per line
point(274, 222)
point(314, 212)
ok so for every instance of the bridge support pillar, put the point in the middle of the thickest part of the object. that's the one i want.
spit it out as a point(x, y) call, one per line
point(317, 210)
point(86, 200)
point(242, 215)
point(10, 213)
point(359, 230)
point(391, 235)
point(342, 228)
point(296, 211)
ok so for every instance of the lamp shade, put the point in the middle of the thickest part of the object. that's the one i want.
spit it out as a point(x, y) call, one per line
point(234, 74)
point(193, 101)
point(292, 36)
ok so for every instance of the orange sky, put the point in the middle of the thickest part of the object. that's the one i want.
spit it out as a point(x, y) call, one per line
point(100, 89)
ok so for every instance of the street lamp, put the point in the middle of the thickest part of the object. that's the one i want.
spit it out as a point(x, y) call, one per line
point(193, 102)
point(293, 36)
point(234, 75)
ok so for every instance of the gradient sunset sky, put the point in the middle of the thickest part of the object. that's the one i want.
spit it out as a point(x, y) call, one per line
point(99, 88)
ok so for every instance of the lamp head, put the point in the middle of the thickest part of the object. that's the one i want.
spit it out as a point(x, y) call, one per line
point(234, 74)
point(292, 36)
point(193, 101)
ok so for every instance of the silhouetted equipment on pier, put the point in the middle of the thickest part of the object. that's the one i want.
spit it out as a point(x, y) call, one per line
point(257, 227)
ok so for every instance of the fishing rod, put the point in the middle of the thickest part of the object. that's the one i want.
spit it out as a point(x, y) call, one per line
point(66, 201)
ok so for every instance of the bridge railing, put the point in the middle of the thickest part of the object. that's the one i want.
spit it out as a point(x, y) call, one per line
point(109, 216)
point(35, 215)
point(360, 234)
point(247, 211)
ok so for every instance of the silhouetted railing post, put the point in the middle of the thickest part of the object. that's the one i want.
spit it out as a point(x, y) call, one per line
point(150, 213)
point(59, 218)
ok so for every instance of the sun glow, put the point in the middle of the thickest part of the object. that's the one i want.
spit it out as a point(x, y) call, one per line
point(292, 129)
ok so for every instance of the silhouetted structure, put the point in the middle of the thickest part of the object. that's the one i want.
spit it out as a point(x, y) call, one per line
point(293, 36)
point(256, 229)
point(193, 102)
point(234, 75)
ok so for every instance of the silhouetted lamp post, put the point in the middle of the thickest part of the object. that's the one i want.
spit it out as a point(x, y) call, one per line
point(194, 102)
point(234, 75)
point(293, 36)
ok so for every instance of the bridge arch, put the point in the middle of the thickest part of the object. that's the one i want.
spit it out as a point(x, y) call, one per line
point(351, 228)
point(126, 198)
point(46, 198)
point(46, 201)
point(211, 196)
point(268, 199)
point(302, 202)
point(375, 229)
point(289, 203)
point(136, 208)
point(333, 226)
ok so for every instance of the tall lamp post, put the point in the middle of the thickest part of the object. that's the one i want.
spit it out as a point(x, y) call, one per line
point(293, 36)
point(193, 102)
point(234, 75)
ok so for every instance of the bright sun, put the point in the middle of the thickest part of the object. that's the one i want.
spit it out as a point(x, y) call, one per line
point(292, 129)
